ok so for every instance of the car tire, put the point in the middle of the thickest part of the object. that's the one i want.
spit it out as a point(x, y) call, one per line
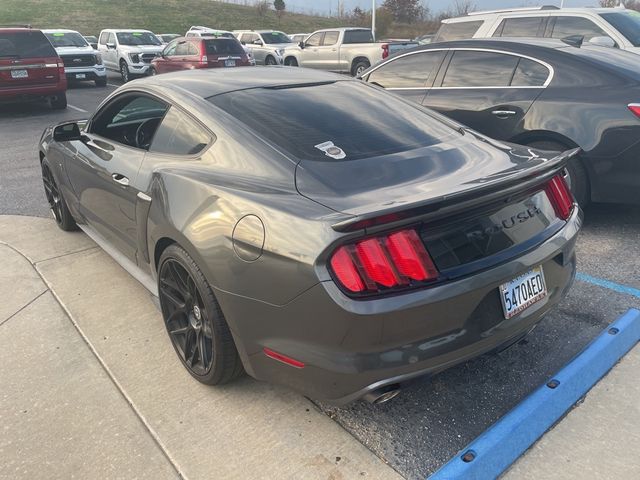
point(101, 81)
point(57, 204)
point(576, 175)
point(59, 102)
point(194, 321)
point(124, 71)
point(359, 67)
point(270, 60)
point(152, 72)
point(291, 62)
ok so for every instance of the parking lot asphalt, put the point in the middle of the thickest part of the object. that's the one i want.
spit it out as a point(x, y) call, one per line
point(433, 418)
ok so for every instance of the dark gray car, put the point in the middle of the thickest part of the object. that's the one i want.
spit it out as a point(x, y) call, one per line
point(313, 230)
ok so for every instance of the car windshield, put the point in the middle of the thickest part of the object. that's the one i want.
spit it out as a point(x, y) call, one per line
point(25, 44)
point(137, 38)
point(223, 46)
point(627, 22)
point(276, 37)
point(66, 39)
point(309, 120)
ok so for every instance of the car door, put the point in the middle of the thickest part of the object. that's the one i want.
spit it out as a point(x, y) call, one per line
point(490, 91)
point(163, 63)
point(106, 164)
point(110, 52)
point(248, 39)
point(328, 54)
point(309, 55)
point(408, 75)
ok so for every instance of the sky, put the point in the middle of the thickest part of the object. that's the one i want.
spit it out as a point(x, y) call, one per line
point(324, 6)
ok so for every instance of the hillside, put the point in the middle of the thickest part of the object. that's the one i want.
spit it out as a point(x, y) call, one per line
point(159, 16)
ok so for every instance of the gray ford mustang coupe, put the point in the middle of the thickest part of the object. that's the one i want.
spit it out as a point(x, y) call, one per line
point(313, 230)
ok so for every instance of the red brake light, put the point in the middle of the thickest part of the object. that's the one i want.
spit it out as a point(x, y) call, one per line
point(410, 256)
point(344, 268)
point(635, 109)
point(385, 50)
point(560, 196)
point(384, 262)
point(375, 262)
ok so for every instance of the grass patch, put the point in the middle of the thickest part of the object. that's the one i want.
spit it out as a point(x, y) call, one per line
point(159, 16)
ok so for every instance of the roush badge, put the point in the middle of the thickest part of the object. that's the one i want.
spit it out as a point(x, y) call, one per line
point(330, 150)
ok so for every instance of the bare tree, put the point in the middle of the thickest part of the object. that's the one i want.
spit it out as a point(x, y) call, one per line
point(262, 7)
point(462, 7)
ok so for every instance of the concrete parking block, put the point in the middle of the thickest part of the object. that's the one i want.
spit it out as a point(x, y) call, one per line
point(599, 438)
point(40, 238)
point(244, 430)
point(19, 282)
point(60, 414)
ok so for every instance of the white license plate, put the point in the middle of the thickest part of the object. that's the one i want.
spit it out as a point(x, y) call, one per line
point(229, 63)
point(19, 74)
point(80, 76)
point(522, 292)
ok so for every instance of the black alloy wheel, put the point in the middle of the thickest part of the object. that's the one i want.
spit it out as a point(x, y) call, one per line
point(195, 324)
point(58, 207)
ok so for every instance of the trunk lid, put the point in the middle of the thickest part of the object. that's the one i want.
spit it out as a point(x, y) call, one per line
point(426, 176)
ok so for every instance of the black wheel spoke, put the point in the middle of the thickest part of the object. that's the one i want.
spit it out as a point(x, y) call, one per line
point(187, 321)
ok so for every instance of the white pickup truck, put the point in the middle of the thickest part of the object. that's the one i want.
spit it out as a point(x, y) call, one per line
point(344, 50)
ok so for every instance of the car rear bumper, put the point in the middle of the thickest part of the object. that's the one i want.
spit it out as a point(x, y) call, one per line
point(351, 347)
point(32, 92)
point(90, 73)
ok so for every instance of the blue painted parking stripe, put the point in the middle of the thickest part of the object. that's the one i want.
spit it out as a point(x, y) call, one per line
point(601, 282)
point(498, 447)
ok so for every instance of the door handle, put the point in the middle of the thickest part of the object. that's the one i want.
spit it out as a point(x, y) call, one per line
point(121, 179)
point(503, 113)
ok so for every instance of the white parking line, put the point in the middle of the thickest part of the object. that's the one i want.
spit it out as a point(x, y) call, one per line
point(113, 85)
point(76, 108)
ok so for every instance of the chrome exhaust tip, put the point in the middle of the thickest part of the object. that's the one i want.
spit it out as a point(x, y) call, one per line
point(383, 394)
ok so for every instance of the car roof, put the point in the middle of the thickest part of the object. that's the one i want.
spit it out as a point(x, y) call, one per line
point(528, 11)
point(58, 30)
point(208, 82)
point(125, 30)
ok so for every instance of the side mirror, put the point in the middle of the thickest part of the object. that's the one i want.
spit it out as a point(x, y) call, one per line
point(301, 45)
point(112, 46)
point(257, 42)
point(67, 132)
point(603, 41)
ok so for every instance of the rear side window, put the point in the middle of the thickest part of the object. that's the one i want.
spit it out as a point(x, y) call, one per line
point(358, 36)
point(457, 31)
point(479, 69)
point(179, 135)
point(182, 49)
point(103, 38)
point(409, 71)
point(627, 22)
point(520, 27)
point(220, 46)
point(25, 44)
point(530, 74)
point(360, 120)
point(566, 26)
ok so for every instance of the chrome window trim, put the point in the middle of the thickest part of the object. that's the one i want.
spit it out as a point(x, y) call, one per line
point(471, 49)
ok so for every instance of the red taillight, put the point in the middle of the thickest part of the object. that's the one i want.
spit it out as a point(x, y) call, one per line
point(283, 358)
point(409, 255)
point(560, 197)
point(61, 68)
point(384, 262)
point(635, 109)
point(385, 50)
point(344, 268)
